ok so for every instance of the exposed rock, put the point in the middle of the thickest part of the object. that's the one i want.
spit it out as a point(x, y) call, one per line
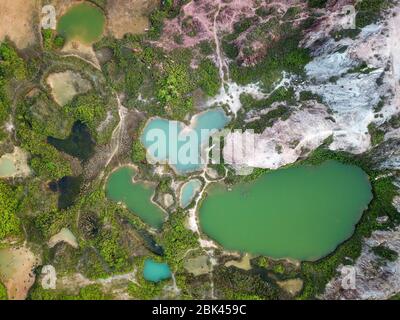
point(374, 280)
point(283, 143)
point(350, 95)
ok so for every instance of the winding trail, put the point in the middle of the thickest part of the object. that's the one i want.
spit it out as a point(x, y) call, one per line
point(221, 62)
point(117, 134)
point(93, 64)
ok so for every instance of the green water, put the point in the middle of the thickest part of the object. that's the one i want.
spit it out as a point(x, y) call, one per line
point(7, 168)
point(302, 213)
point(188, 192)
point(177, 137)
point(156, 272)
point(84, 22)
point(136, 196)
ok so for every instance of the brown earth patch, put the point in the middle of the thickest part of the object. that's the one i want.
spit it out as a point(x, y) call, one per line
point(16, 271)
point(19, 21)
point(129, 16)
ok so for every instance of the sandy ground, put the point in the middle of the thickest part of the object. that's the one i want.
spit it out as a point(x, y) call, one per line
point(244, 263)
point(16, 266)
point(17, 21)
point(129, 16)
point(292, 286)
point(20, 161)
point(65, 235)
point(82, 51)
point(198, 266)
point(65, 85)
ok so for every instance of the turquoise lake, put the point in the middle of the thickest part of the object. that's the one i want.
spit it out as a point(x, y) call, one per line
point(189, 191)
point(156, 272)
point(170, 141)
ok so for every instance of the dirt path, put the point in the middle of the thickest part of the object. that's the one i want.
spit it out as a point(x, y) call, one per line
point(221, 62)
point(117, 134)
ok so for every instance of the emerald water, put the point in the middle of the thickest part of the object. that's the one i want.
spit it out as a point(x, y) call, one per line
point(156, 272)
point(189, 191)
point(84, 22)
point(302, 213)
point(176, 143)
point(136, 196)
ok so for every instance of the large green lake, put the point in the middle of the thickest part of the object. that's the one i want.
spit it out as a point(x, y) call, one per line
point(135, 195)
point(84, 22)
point(302, 213)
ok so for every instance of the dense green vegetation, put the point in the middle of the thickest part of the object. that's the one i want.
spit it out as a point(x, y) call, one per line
point(377, 135)
point(51, 40)
point(12, 68)
point(173, 90)
point(283, 55)
point(209, 79)
point(267, 120)
point(385, 253)
point(176, 240)
point(45, 159)
point(90, 109)
point(317, 3)
point(233, 283)
point(369, 11)
point(90, 292)
point(9, 222)
point(3, 292)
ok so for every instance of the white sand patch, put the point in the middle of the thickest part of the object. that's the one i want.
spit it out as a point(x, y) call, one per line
point(65, 235)
point(230, 95)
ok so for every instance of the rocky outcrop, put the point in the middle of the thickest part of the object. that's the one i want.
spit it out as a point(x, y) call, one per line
point(374, 279)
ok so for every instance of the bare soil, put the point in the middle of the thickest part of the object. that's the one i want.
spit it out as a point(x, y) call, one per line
point(19, 21)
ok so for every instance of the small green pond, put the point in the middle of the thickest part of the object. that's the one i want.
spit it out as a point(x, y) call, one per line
point(302, 213)
point(135, 195)
point(84, 22)
point(156, 272)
